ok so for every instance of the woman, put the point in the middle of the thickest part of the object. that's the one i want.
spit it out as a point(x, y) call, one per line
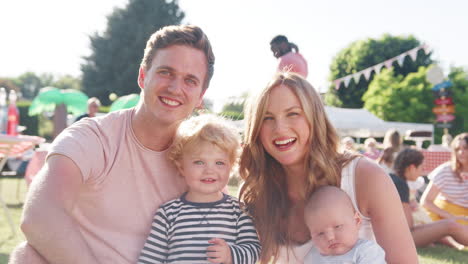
point(291, 148)
point(446, 195)
point(385, 160)
point(408, 167)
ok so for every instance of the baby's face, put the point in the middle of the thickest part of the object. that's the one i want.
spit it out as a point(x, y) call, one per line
point(334, 230)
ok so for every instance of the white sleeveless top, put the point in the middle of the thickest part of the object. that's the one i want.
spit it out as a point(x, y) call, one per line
point(295, 255)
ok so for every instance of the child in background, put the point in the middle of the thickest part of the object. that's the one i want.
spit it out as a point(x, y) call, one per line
point(204, 225)
point(334, 226)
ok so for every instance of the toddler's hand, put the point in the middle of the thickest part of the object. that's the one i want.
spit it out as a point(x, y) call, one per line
point(219, 252)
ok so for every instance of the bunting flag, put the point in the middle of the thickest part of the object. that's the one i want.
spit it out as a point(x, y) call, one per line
point(400, 59)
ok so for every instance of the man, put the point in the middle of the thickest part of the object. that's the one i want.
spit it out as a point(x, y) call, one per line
point(93, 107)
point(289, 60)
point(105, 177)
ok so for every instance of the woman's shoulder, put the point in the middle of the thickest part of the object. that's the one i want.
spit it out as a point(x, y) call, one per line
point(442, 172)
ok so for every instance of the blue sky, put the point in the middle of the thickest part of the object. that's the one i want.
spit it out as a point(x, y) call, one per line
point(51, 35)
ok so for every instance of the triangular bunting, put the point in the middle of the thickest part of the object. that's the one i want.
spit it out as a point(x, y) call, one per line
point(378, 67)
point(401, 59)
point(388, 63)
point(337, 83)
point(413, 54)
point(367, 73)
point(356, 77)
point(347, 79)
point(426, 48)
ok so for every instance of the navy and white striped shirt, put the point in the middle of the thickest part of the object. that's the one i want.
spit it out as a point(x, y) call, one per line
point(181, 230)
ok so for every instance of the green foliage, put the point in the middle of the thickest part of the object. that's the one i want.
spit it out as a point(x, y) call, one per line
point(116, 54)
point(399, 98)
point(67, 82)
point(410, 98)
point(9, 84)
point(30, 122)
point(104, 109)
point(30, 84)
point(331, 98)
point(459, 78)
point(234, 115)
point(362, 54)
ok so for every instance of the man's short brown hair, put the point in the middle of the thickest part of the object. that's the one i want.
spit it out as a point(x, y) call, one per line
point(188, 35)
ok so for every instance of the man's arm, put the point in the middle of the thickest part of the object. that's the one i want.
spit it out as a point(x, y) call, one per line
point(47, 222)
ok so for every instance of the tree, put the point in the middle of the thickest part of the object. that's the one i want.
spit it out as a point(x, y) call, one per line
point(410, 98)
point(30, 84)
point(399, 98)
point(234, 108)
point(459, 77)
point(67, 82)
point(362, 54)
point(116, 54)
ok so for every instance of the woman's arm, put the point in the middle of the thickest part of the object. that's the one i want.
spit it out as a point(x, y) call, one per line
point(408, 214)
point(378, 199)
point(427, 200)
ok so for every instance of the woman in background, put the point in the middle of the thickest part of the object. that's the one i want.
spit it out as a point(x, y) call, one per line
point(446, 196)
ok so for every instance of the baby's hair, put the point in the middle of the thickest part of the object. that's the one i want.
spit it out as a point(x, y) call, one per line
point(322, 196)
point(205, 128)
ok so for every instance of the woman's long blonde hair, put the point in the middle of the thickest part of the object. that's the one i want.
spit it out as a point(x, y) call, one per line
point(455, 163)
point(265, 191)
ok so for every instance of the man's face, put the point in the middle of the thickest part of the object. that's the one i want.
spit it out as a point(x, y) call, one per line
point(93, 108)
point(173, 85)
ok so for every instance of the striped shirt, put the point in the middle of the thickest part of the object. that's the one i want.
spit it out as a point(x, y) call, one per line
point(181, 229)
point(451, 189)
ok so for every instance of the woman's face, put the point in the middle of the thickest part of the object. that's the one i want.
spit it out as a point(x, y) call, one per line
point(285, 131)
point(462, 152)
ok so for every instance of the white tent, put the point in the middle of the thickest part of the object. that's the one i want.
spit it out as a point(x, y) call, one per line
point(361, 123)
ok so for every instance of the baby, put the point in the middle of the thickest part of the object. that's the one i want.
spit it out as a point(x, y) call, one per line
point(334, 227)
point(204, 225)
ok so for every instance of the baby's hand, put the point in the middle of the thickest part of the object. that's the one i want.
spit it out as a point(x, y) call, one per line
point(219, 252)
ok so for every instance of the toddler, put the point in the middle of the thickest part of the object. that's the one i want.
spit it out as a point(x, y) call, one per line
point(204, 225)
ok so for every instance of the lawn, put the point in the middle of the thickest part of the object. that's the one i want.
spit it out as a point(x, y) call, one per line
point(433, 255)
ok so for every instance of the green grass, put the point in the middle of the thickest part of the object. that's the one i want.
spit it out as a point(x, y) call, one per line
point(432, 255)
point(8, 189)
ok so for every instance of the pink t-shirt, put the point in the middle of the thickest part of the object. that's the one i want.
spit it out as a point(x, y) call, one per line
point(124, 184)
point(293, 62)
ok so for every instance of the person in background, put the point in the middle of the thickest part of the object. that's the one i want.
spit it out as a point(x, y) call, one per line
point(446, 196)
point(348, 144)
point(385, 160)
point(446, 140)
point(93, 108)
point(203, 224)
point(392, 139)
point(335, 230)
point(289, 58)
point(105, 177)
point(408, 167)
point(291, 149)
point(371, 150)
